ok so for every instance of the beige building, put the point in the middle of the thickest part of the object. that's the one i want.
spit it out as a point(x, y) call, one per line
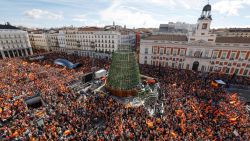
point(39, 40)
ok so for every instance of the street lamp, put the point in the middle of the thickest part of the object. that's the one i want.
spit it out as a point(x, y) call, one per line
point(92, 46)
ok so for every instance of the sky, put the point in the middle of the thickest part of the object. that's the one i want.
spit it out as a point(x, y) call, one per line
point(132, 13)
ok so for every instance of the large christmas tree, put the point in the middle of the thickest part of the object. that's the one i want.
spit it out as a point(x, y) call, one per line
point(123, 77)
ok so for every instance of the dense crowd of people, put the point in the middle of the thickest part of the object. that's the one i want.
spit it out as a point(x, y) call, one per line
point(193, 110)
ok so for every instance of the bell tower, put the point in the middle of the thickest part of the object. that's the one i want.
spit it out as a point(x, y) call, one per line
point(202, 32)
point(204, 22)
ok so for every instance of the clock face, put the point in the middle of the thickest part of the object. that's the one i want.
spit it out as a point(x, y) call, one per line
point(204, 26)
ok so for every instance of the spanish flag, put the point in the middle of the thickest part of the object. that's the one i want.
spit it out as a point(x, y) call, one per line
point(150, 124)
point(214, 84)
point(67, 132)
point(173, 134)
point(15, 134)
point(179, 112)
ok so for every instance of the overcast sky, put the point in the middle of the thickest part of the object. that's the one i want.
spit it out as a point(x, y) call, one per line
point(132, 13)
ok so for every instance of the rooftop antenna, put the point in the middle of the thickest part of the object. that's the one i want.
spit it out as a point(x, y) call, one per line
point(208, 1)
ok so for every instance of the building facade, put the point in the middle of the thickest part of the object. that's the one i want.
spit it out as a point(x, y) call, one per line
point(14, 42)
point(177, 27)
point(105, 40)
point(199, 51)
point(39, 40)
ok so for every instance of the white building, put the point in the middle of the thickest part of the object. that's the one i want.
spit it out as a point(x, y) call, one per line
point(84, 39)
point(61, 39)
point(14, 42)
point(199, 51)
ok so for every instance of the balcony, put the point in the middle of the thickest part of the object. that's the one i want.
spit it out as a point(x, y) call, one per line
point(202, 57)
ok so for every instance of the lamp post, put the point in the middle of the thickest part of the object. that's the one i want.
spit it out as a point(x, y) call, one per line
point(92, 45)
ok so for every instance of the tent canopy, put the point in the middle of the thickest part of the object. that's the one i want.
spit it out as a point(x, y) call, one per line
point(220, 82)
point(66, 63)
point(34, 101)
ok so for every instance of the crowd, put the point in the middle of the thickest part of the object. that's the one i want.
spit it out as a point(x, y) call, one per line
point(192, 109)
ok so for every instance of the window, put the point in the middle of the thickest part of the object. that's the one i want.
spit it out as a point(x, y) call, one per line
point(155, 50)
point(173, 65)
point(161, 51)
point(242, 56)
point(190, 53)
point(175, 52)
point(197, 54)
point(236, 71)
point(182, 52)
point(146, 50)
point(245, 72)
point(227, 70)
point(168, 51)
point(215, 54)
point(232, 56)
point(206, 53)
point(224, 54)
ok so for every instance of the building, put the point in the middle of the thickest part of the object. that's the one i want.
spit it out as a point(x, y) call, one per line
point(14, 42)
point(201, 50)
point(87, 39)
point(233, 32)
point(178, 27)
point(52, 39)
point(39, 40)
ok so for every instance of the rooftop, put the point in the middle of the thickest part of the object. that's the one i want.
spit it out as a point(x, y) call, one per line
point(7, 26)
point(232, 40)
point(90, 29)
point(168, 37)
